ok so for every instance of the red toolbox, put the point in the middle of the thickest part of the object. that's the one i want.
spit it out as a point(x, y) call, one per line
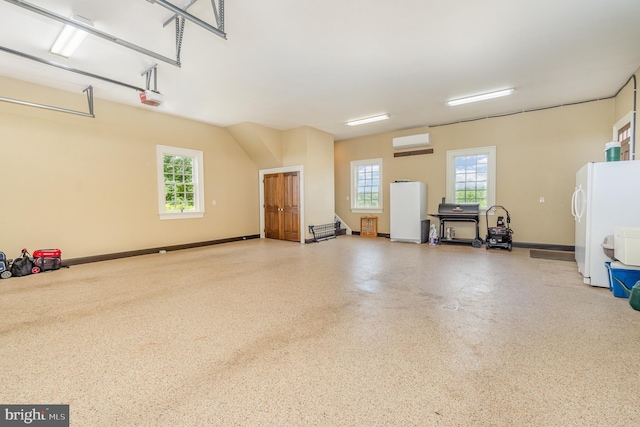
point(46, 260)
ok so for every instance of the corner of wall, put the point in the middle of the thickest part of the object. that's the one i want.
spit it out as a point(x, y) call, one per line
point(263, 145)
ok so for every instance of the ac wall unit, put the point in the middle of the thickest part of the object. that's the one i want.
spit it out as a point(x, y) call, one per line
point(410, 141)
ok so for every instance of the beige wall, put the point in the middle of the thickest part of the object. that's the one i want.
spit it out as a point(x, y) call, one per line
point(294, 147)
point(320, 177)
point(312, 149)
point(538, 154)
point(624, 107)
point(262, 144)
point(624, 100)
point(89, 186)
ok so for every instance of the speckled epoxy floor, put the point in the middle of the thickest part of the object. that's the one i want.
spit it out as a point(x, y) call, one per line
point(348, 332)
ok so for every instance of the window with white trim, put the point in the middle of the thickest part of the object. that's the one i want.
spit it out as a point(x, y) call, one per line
point(471, 176)
point(180, 183)
point(366, 186)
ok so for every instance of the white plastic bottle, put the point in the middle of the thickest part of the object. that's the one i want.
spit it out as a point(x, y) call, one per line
point(433, 235)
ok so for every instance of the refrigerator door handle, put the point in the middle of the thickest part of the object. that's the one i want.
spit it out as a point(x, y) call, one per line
point(573, 205)
point(580, 207)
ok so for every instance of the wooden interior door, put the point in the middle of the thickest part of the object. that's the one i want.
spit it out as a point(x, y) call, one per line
point(282, 206)
point(272, 197)
point(291, 206)
point(624, 136)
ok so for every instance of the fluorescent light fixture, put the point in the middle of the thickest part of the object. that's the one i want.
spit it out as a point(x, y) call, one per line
point(70, 38)
point(367, 120)
point(482, 97)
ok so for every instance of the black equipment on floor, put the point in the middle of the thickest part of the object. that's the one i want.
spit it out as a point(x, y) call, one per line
point(459, 212)
point(5, 266)
point(500, 235)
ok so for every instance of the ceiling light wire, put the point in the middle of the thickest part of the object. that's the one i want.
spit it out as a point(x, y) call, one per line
point(513, 113)
point(633, 77)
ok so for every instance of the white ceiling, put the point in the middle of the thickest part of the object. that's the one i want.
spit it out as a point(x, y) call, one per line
point(292, 63)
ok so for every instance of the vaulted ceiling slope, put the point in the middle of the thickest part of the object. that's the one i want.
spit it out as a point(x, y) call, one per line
point(291, 63)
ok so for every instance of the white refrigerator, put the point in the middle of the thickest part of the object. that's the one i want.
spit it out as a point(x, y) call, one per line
point(408, 213)
point(606, 195)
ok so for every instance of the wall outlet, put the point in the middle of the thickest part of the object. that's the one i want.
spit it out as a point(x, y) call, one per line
point(541, 199)
point(213, 202)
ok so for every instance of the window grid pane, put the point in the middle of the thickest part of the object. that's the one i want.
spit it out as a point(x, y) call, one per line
point(367, 188)
point(471, 179)
point(179, 196)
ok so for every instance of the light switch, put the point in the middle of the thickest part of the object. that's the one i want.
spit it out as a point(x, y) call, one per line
point(213, 202)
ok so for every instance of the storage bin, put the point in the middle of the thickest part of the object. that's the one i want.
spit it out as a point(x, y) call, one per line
point(627, 274)
point(626, 242)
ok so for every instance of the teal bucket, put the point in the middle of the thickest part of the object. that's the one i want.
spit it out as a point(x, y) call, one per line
point(612, 151)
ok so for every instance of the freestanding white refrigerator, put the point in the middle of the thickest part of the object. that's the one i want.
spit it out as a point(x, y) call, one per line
point(607, 195)
point(408, 213)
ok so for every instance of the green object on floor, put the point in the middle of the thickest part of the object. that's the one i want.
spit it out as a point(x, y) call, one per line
point(634, 296)
point(633, 293)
